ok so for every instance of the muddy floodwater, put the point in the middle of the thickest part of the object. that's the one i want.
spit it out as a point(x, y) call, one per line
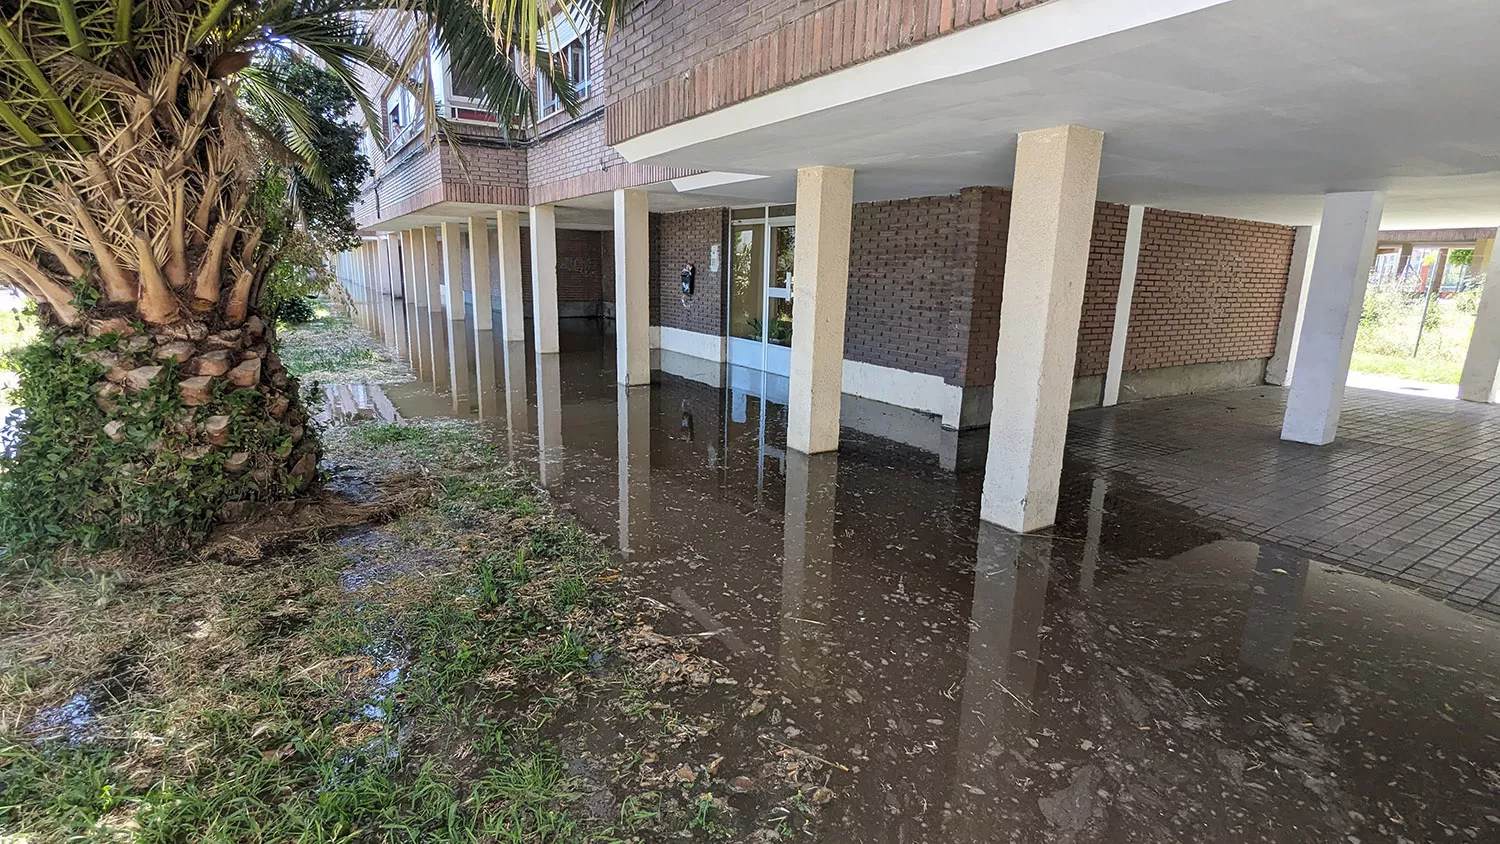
point(1135, 674)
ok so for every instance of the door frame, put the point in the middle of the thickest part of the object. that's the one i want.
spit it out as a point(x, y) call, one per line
point(759, 354)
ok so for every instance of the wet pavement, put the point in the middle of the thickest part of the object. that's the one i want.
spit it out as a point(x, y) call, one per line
point(1143, 672)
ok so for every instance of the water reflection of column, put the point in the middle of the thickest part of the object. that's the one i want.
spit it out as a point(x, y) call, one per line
point(633, 411)
point(1090, 562)
point(485, 379)
point(517, 420)
point(998, 706)
point(806, 574)
point(1277, 587)
point(548, 417)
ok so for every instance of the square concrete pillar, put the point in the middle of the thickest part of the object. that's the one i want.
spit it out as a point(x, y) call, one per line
point(397, 315)
point(544, 277)
point(410, 289)
point(512, 308)
point(549, 450)
point(437, 323)
point(453, 286)
point(372, 290)
point(1335, 295)
point(632, 288)
point(1046, 261)
point(414, 255)
point(820, 279)
point(479, 272)
point(1480, 381)
point(1293, 305)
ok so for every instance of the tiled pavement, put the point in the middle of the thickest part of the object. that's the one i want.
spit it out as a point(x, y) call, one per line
point(1410, 491)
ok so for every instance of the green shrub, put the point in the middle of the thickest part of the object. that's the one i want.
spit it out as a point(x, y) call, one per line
point(296, 311)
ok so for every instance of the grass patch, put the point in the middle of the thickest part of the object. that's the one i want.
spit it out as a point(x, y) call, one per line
point(1425, 369)
point(331, 349)
point(446, 677)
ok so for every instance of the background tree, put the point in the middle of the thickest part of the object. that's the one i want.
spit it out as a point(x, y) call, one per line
point(137, 210)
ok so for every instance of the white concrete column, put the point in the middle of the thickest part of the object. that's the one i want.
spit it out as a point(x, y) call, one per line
point(385, 282)
point(1335, 295)
point(1046, 261)
point(372, 290)
point(512, 309)
point(409, 300)
point(1293, 306)
point(453, 285)
point(414, 261)
point(479, 271)
point(1123, 299)
point(437, 323)
point(820, 286)
point(544, 277)
point(632, 288)
point(398, 299)
point(1481, 376)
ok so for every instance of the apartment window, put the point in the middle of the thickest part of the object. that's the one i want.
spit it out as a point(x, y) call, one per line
point(573, 56)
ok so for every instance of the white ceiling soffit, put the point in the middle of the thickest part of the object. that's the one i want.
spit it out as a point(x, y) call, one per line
point(1247, 108)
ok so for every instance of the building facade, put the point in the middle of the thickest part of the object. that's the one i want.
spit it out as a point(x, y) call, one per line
point(855, 196)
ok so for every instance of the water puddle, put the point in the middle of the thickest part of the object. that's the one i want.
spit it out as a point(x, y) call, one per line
point(1140, 673)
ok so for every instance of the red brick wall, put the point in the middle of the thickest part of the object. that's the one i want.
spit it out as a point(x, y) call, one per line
point(910, 261)
point(980, 330)
point(686, 238)
point(1096, 328)
point(678, 59)
point(1207, 289)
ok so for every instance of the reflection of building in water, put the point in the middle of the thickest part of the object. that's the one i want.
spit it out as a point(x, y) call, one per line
point(807, 573)
point(633, 414)
point(1277, 587)
point(517, 414)
point(486, 379)
point(998, 706)
point(549, 418)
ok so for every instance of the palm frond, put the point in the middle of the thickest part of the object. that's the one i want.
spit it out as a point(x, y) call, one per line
point(271, 105)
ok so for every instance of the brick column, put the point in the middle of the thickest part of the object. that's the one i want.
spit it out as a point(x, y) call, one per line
point(1481, 376)
point(453, 285)
point(544, 277)
point(820, 278)
point(512, 310)
point(632, 288)
point(1335, 295)
point(1046, 261)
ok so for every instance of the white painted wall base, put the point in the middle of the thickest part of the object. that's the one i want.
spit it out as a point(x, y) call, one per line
point(695, 343)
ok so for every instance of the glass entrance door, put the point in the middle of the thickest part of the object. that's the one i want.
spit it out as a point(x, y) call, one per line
point(762, 242)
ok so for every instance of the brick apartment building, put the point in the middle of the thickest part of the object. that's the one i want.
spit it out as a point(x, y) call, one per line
point(713, 134)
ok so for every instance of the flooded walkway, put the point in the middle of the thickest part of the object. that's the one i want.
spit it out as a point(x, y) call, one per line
point(1153, 669)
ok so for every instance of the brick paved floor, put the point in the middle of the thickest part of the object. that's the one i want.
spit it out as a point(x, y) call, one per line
point(1410, 492)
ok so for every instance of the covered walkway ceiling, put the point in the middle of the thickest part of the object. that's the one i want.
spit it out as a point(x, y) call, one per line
point(1249, 108)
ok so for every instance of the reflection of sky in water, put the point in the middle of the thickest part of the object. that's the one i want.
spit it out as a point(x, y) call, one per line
point(73, 720)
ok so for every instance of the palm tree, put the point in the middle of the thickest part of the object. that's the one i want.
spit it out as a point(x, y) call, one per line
point(141, 207)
